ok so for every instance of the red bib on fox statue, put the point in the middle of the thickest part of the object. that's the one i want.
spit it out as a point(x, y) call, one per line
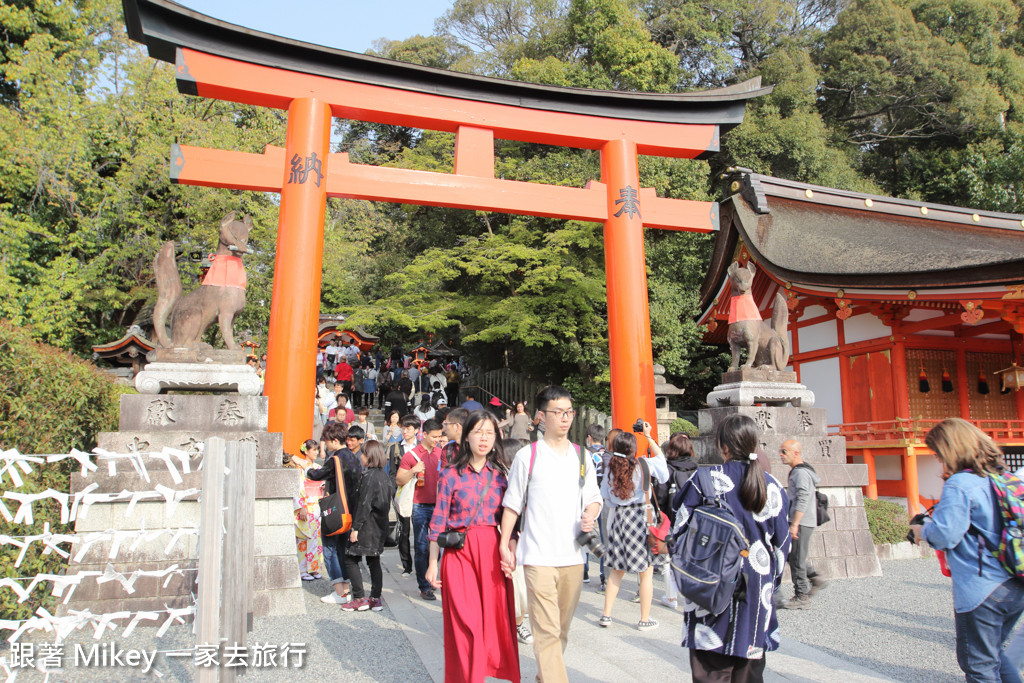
point(741, 307)
point(228, 271)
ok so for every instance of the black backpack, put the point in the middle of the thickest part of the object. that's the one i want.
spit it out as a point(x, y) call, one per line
point(821, 500)
point(707, 557)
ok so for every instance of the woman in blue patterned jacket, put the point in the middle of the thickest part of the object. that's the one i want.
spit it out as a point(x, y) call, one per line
point(732, 645)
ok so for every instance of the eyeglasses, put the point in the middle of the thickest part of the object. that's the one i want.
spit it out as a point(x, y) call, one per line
point(480, 432)
point(561, 414)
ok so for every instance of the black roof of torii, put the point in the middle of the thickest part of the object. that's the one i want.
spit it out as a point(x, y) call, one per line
point(163, 26)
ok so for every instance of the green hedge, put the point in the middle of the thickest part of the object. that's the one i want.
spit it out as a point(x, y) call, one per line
point(50, 402)
point(888, 522)
point(684, 426)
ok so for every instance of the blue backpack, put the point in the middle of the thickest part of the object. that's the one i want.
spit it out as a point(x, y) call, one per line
point(707, 556)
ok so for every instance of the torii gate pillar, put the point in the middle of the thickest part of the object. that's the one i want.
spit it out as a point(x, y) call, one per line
point(629, 324)
point(221, 61)
point(295, 307)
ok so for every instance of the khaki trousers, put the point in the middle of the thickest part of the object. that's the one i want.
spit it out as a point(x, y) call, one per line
point(552, 595)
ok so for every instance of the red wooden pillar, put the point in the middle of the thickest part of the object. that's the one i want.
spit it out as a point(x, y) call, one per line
point(295, 306)
point(629, 322)
point(1017, 346)
point(900, 389)
point(963, 392)
point(871, 490)
point(910, 480)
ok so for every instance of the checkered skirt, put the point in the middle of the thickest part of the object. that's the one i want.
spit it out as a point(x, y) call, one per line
point(627, 548)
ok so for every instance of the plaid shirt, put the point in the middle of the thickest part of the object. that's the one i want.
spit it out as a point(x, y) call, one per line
point(458, 496)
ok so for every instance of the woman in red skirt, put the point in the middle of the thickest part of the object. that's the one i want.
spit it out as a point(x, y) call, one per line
point(477, 602)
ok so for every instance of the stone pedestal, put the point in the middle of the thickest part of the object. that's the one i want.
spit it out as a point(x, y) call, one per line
point(148, 424)
point(160, 377)
point(842, 547)
point(748, 393)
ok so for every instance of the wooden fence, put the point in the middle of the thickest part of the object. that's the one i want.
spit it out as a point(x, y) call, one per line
point(511, 387)
point(227, 549)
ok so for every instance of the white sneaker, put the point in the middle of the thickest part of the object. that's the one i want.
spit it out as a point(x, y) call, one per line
point(671, 604)
point(335, 599)
point(648, 625)
point(523, 632)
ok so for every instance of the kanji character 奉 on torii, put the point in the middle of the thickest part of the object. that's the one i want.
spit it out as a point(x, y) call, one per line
point(314, 83)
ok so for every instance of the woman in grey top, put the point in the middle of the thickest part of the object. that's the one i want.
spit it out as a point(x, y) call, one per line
point(518, 423)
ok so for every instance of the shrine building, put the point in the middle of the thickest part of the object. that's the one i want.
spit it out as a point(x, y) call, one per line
point(902, 313)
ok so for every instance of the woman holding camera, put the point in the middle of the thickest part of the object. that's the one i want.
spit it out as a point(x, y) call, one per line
point(987, 600)
point(627, 548)
point(732, 645)
point(477, 602)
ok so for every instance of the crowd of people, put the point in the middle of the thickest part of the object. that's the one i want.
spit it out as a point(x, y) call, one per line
point(495, 509)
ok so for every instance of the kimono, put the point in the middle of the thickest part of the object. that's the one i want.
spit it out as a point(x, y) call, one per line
point(749, 627)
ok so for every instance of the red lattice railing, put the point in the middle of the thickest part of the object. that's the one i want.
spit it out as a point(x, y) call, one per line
point(899, 432)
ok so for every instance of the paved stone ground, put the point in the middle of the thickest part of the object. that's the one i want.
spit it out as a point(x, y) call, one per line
point(897, 627)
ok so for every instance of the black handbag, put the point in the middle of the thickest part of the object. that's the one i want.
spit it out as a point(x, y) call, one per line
point(454, 540)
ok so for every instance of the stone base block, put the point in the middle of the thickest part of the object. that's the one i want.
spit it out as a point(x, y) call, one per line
point(210, 415)
point(160, 377)
point(204, 354)
point(771, 393)
point(269, 445)
point(758, 375)
point(279, 602)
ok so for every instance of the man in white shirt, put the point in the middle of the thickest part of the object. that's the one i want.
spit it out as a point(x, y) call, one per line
point(557, 509)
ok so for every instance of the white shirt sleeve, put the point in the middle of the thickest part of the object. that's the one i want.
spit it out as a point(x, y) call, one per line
point(659, 468)
point(517, 476)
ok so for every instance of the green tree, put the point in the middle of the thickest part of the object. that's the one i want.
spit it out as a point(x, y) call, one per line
point(85, 195)
point(912, 83)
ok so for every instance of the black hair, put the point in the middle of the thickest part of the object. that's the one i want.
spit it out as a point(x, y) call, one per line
point(334, 431)
point(459, 415)
point(356, 432)
point(460, 459)
point(596, 432)
point(425, 401)
point(409, 420)
point(431, 425)
point(551, 393)
point(738, 437)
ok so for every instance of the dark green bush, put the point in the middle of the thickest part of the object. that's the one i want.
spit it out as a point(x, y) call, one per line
point(684, 426)
point(888, 522)
point(50, 402)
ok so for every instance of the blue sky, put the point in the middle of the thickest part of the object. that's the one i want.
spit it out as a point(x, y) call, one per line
point(342, 24)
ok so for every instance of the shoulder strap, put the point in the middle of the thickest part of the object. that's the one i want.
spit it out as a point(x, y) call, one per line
point(529, 475)
point(583, 465)
point(341, 483)
point(707, 486)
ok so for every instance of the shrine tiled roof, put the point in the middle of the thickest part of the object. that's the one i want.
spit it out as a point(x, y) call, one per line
point(818, 237)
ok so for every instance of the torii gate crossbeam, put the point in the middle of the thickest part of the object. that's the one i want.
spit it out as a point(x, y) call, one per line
point(218, 60)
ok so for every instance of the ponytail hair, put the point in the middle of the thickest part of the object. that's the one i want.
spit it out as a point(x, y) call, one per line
point(737, 438)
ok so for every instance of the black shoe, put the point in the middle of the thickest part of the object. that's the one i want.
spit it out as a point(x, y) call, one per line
point(428, 595)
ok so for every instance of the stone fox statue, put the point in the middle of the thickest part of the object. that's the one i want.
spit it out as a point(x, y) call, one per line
point(766, 342)
point(220, 296)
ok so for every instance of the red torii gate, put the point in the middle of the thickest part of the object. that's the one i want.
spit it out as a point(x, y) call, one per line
point(218, 60)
